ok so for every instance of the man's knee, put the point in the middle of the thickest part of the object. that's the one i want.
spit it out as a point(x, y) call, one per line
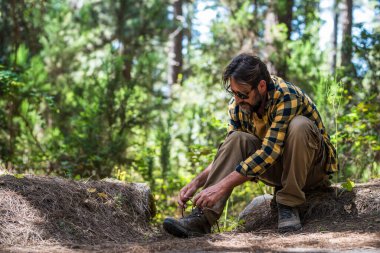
point(300, 126)
point(242, 140)
point(303, 131)
point(239, 136)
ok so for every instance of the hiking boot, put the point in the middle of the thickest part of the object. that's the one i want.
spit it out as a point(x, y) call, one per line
point(288, 219)
point(196, 224)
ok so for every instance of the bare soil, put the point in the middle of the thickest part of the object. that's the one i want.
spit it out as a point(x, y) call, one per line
point(350, 223)
point(346, 239)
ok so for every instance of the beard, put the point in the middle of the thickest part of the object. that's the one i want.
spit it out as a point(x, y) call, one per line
point(249, 108)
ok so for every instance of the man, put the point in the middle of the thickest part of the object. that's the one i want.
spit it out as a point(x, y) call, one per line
point(276, 135)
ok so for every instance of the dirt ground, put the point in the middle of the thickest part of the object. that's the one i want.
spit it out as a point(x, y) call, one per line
point(355, 235)
point(352, 226)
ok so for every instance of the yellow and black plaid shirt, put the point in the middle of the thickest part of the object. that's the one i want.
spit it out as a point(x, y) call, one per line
point(285, 101)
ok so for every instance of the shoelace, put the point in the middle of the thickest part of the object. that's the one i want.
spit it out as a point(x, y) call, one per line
point(184, 208)
point(196, 213)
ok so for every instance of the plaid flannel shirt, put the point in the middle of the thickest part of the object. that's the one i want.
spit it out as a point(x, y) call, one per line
point(285, 101)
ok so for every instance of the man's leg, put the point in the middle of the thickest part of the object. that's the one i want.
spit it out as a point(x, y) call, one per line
point(301, 166)
point(236, 147)
point(303, 162)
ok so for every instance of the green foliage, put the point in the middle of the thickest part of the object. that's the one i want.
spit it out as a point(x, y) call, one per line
point(361, 140)
point(20, 57)
point(348, 185)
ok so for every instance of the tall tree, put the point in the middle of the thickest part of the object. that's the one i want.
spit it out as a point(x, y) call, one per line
point(278, 13)
point(346, 56)
point(335, 12)
point(284, 14)
point(269, 39)
point(175, 45)
point(347, 46)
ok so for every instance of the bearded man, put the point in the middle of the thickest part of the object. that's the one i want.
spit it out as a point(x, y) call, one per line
point(275, 135)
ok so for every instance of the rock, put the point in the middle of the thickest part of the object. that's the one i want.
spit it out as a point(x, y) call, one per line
point(257, 202)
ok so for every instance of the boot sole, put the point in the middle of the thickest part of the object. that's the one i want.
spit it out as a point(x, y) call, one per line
point(290, 228)
point(173, 227)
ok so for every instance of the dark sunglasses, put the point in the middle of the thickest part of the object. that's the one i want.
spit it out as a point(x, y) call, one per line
point(237, 94)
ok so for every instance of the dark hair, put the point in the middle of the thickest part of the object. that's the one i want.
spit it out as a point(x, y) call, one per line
point(246, 69)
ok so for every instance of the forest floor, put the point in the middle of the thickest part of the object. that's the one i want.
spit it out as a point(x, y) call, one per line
point(357, 232)
point(355, 235)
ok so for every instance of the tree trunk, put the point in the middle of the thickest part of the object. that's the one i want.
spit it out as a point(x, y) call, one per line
point(346, 56)
point(121, 36)
point(346, 53)
point(16, 32)
point(335, 36)
point(175, 46)
point(284, 14)
point(127, 69)
point(270, 22)
point(256, 13)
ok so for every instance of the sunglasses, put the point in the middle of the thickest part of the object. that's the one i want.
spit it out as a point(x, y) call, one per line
point(237, 94)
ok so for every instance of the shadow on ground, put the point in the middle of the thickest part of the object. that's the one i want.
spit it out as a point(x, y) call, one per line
point(39, 210)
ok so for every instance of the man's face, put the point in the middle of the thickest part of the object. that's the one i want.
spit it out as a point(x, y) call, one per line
point(247, 98)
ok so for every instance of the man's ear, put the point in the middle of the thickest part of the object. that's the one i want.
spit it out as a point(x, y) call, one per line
point(262, 87)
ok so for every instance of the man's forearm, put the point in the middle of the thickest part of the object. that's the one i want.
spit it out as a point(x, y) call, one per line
point(232, 180)
point(201, 179)
point(211, 195)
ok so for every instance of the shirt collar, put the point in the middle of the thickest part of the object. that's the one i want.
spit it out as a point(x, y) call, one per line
point(270, 93)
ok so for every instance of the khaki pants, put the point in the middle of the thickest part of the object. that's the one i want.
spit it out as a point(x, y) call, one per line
point(300, 168)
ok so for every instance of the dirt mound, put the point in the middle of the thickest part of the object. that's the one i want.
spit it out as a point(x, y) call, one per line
point(43, 210)
point(334, 204)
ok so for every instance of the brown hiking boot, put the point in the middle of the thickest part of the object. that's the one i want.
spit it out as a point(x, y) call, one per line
point(196, 224)
point(288, 219)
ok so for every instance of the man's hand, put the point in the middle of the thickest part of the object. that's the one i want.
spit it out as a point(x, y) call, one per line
point(209, 196)
point(186, 193)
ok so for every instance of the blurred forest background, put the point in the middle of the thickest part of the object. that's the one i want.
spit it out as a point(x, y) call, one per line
point(132, 89)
